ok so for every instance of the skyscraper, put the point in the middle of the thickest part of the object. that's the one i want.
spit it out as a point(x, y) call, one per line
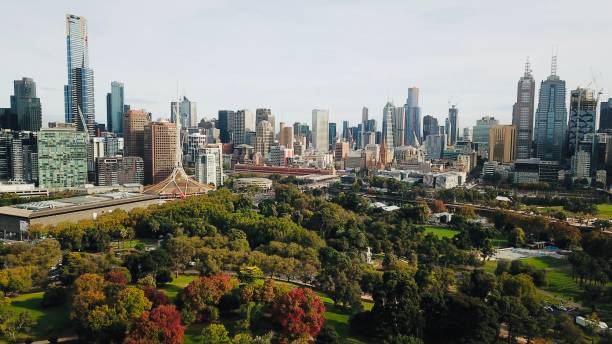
point(333, 133)
point(26, 106)
point(364, 114)
point(188, 113)
point(226, 125)
point(605, 115)
point(115, 103)
point(134, 122)
point(522, 113)
point(413, 117)
point(502, 143)
point(387, 124)
point(583, 105)
point(320, 130)
point(399, 126)
point(264, 138)
point(265, 115)
point(79, 91)
point(430, 126)
point(551, 118)
point(240, 126)
point(160, 147)
point(285, 136)
point(453, 117)
point(480, 134)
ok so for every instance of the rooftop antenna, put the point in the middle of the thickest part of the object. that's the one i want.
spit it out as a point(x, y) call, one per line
point(553, 64)
point(527, 67)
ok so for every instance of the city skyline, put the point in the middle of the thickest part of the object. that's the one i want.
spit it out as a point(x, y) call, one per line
point(479, 86)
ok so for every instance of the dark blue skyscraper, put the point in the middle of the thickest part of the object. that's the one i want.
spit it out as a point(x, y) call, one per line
point(79, 91)
point(26, 106)
point(114, 108)
point(333, 133)
point(551, 118)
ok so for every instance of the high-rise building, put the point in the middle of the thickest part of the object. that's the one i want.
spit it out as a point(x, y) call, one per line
point(209, 165)
point(320, 130)
point(187, 112)
point(264, 138)
point(435, 144)
point(243, 122)
point(413, 118)
point(522, 113)
point(467, 134)
point(605, 115)
point(453, 117)
point(502, 143)
point(115, 103)
point(79, 91)
point(160, 150)
point(62, 157)
point(430, 126)
point(551, 118)
point(364, 114)
point(134, 122)
point(285, 137)
point(345, 130)
point(119, 170)
point(399, 126)
point(265, 115)
point(480, 134)
point(26, 106)
point(333, 133)
point(583, 108)
point(387, 124)
point(226, 125)
point(341, 151)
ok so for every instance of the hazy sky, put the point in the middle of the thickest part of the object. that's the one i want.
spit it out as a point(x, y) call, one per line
point(293, 56)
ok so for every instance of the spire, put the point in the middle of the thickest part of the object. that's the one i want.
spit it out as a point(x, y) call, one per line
point(553, 65)
point(527, 68)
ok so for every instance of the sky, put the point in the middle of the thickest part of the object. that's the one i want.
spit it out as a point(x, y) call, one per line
point(294, 56)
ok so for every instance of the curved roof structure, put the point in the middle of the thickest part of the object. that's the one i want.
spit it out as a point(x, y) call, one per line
point(178, 185)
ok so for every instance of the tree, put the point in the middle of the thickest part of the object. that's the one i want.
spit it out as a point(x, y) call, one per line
point(328, 335)
point(480, 284)
point(567, 331)
point(156, 296)
point(199, 299)
point(12, 323)
point(299, 313)
point(339, 277)
point(438, 206)
point(517, 237)
point(467, 211)
point(181, 251)
point(215, 334)
point(162, 325)
point(396, 304)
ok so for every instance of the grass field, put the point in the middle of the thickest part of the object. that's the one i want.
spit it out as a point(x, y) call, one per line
point(441, 232)
point(49, 321)
point(604, 211)
point(558, 275)
point(171, 289)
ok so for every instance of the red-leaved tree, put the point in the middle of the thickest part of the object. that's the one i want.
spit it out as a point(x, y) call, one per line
point(157, 297)
point(299, 313)
point(161, 325)
point(199, 299)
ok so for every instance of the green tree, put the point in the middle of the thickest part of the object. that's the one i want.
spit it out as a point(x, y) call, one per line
point(396, 304)
point(215, 334)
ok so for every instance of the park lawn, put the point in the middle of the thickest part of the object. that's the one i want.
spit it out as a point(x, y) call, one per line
point(441, 232)
point(604, 211)
point(558, 275)
point(172, 289)
point(51, 321)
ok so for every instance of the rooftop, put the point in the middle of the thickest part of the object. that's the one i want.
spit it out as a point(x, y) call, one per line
point(70, 204)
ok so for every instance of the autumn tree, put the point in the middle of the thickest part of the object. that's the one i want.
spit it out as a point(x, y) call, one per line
point(438, 206)
point(162, 325)
point(298, 313)
point(199, 300)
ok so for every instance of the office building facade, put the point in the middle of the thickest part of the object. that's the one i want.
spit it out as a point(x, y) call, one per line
point(413, 118)
point(25, 106)
point(502, 143)
point(134, 122)
point(160, 150)
point(582, 116)
point(453, 118)
point(320, 130)
point(119, 170)
point(62, 157)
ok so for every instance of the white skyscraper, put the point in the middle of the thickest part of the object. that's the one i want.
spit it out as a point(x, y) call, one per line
point(320, 130)
point(387, 125)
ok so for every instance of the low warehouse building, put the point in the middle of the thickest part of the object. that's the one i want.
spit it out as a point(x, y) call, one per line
point(16, 219)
